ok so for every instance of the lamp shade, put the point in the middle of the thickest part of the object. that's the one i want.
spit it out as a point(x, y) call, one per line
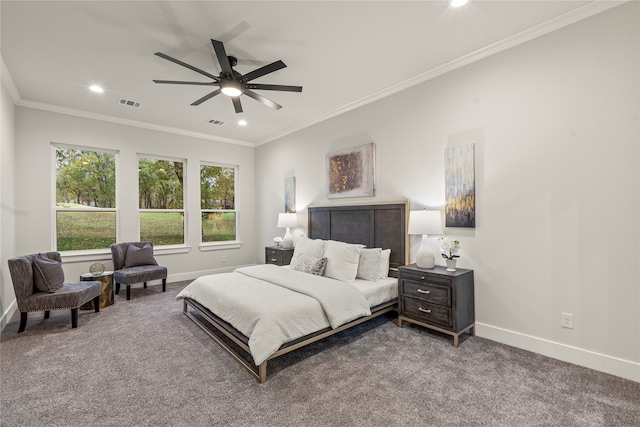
point(287, 220)
point(425, 222)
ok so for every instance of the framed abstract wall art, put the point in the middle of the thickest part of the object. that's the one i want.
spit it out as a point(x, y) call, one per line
point(460, 186)
point(351, 172)
point(290, 194)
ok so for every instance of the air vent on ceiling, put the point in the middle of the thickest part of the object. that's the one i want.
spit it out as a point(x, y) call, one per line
point(215, 122)
point(129, 103)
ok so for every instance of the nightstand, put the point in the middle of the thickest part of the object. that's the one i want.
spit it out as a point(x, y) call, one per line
point(277, 255)
point(437, 299)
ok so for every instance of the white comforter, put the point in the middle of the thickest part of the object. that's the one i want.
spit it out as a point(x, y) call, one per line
point(259, 302)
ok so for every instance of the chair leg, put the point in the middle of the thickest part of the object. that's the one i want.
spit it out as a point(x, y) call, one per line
point(128, 292)
point(46, 314)
point(145, 285)
point(164, 284)
point(96, 304)
point(74, 318)
point(23, 321)
point(117, 288)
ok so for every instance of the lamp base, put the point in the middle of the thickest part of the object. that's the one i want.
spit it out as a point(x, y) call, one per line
point(287, 240)
point(425, 257)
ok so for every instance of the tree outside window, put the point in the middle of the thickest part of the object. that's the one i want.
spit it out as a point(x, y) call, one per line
point(85, 199)
point(161, 201)
point(217, 202)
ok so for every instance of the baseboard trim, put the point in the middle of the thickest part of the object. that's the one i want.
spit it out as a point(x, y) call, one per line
point(6, 316)
point(578, 356)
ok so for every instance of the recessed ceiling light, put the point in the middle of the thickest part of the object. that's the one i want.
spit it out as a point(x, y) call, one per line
point(242, 122)
point(96, 89)
point(457, 3)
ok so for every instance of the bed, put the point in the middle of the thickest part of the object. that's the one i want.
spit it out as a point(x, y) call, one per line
point(258, 313)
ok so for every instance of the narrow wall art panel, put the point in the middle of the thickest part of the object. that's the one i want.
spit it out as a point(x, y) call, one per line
point(351, 172)
point(460, 186)
point(290, 194)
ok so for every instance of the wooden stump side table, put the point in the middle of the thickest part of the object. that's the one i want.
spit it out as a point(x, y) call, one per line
point(107, 297)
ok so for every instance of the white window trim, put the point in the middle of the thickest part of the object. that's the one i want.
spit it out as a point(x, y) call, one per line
point(85, 254)
point(227, 244)
point(168, 249)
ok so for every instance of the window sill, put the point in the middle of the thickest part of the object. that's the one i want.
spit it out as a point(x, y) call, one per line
point(86, 256)
point(105, 254)
point(219, 246)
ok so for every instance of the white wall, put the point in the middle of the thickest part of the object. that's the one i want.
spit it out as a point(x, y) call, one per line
point(7, 206)
point(37, 129)
point(555, 122)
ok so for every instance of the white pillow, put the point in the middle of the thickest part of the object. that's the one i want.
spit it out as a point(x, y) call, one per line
point(306, 246)
point(369, 264)
point(342, 260)
point(384, 263)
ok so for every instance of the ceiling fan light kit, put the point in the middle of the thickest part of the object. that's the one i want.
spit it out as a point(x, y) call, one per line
point(231, 88)
point(231, 83)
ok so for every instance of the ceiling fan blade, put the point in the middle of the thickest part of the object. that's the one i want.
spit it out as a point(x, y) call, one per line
point(265, 101)
point(269, 68)
point(184, 64)
point(237, 104)
point(221, 54)
point(174, 82)
point(206, 97)
point(260, 86)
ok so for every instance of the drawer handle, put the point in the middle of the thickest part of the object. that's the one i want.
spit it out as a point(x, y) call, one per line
point(274, 259)
point(422, 278)
point(423, 310)
point(424, 292)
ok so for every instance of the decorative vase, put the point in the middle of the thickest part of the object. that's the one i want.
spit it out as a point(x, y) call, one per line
point(451, 264)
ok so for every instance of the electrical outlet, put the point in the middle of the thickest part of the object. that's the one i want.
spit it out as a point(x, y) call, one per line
point(566, 320)
point(223, 259)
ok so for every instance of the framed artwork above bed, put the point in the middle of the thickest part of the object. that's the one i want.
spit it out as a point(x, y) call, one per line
point(351, 172)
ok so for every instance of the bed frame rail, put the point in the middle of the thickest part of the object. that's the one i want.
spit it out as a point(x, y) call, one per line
point(260, 372)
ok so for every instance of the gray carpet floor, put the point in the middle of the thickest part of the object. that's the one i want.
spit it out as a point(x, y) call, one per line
point(143, 363)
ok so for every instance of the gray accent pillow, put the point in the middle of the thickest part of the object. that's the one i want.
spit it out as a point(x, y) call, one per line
point(48, 275)
point(139, 256)
point(310, 264)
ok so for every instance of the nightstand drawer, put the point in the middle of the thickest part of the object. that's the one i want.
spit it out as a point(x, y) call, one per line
point(426, 277)
point(436, 294)
point(424, 312)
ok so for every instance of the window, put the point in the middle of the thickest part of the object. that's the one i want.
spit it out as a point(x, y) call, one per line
point(218, 202)
point(85, 199)
point(161, 201)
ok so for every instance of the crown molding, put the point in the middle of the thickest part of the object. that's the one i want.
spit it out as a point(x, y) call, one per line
point(531, 33)
point(6, 78)
point(128, 122)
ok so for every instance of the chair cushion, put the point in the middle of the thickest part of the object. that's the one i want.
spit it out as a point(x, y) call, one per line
point(139, 256)
point(48, 275)
point(69, 295)
point(139, 274)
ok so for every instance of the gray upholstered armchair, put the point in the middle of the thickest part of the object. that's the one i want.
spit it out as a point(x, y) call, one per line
point(133, 262)
point(38, 282)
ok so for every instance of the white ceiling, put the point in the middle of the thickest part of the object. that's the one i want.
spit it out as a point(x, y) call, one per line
point(343, 53)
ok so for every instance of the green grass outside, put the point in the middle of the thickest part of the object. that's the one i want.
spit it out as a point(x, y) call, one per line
point(97, 230)
point(218, 227)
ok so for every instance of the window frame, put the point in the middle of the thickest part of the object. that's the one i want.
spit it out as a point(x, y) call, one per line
point(223, 244)
point(165, 248)
point(81, 254)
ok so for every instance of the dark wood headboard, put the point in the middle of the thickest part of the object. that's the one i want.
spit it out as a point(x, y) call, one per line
point(375, 226)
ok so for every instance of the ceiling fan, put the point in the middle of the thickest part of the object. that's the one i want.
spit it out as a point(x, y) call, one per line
point(231, 82)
